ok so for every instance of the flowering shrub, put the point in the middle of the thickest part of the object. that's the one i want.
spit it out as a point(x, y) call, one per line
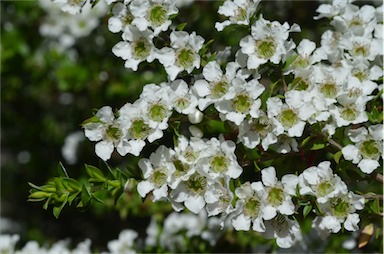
point(265, 135)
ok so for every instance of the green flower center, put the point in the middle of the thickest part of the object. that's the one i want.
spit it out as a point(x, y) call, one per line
point(261, 125)
point(324, 188)
point(219, 89)
point(181, 168)
point(361, 75)
point(127, 19)
point(329, 90)
point(288, 117)
point(75, 2)
point(280, 223)
point(157, 15)
point(189, 154)
point(266, 48)
point(301, 62)
point(141, 49)
point(113, 133)
point(356, 22)
point(139, 129)
point(241, 14)
point(349, 113)
point(242, 103)
point(299, 84)
point(252, 207)
point(276, 196)
point(182, 103)
point(340, 207)
point(157, 112)
point(219, 163)
point(185, 57)
point(197, 184)
point(159, 177)
point(369, 149)
point(360, 50)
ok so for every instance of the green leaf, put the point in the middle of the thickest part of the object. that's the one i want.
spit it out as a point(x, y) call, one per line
point(337, 156)
point(85, 196)
point(95, 173)
point(57, 209)
point(61, 170)
point(317, 146)
point(93, 119)
point(307, 209)
point(36, 187)
point(180, 27)
point(375, 206)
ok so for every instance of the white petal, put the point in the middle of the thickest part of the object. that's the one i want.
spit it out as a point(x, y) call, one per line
point(258, 225)
point(268, 176)
point(104, 150)
point(241, 223)
point(368, 166)
point(269, 212)
point(194, 204)
point(290, 182)
point(144, 187)
point(212, 71)
point(351, 222)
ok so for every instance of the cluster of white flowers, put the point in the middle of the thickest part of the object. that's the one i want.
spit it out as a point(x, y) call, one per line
point(329, 86)
point(65, 28)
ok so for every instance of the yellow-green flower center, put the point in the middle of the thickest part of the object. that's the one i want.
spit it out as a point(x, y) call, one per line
point(329, 90)
point(185, 57)
point(349, 112)
point(157, 112)
point(139, 129)
point(276, 196)
point(157, 15)
point(197, 183)
point(159, 177)
point(242, 103)
point(219, 163)
point(181, 168)
point(252, 207)
point(266, 48)
point(141, 48)
point(218, 89)
point(288, 117)
point(369, 149)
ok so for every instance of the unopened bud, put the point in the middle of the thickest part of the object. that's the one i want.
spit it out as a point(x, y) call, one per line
point(195, 131)
point(196, 117)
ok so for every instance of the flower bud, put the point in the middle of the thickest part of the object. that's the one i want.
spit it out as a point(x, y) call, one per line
point(195, 131)
point(195, 117)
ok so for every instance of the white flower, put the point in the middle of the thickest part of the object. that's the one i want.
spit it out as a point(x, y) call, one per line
point(104, 128)
point(278, 193)
point(190, 192)
point(321, 182)
point(187, 154)
point(219, 198)
point(268, 42)
point(241, 102)
point(182, 98)
point(124, 244)
point(286, 118)
point(250, 207)
point(284, 230)
point(255, 130)
point(152, 13)
point(355, 21)
point(361, 47)
point(220, 159)
point(238, 11)
point(70, 148)
point(339, 209)
point(134, 120)
point(183, 55)
point(122, 18)
point(136, 47)
point(368, 147)
point(8, 243)
point(157, 105)
point(71, 6)
point(216, 85)
point(157, 171)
